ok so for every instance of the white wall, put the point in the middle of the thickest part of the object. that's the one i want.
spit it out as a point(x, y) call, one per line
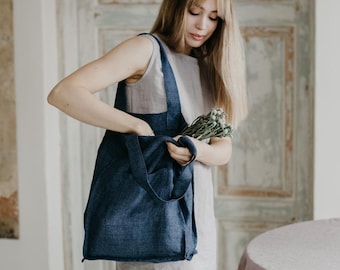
point(327, 110)
point(40, 243)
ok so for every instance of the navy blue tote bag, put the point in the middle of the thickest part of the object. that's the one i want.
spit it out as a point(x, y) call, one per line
point(141, 206)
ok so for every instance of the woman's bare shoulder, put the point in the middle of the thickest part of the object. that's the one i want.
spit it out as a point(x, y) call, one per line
point(135, 46)
point(129, 58)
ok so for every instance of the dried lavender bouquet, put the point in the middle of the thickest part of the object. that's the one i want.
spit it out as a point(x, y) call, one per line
point(211, 125)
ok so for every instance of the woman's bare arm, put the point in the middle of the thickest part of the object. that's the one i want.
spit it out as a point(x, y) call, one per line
point(74, 95)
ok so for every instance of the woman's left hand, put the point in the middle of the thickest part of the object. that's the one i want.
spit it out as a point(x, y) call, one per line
point(216, 152)
point(181, 154)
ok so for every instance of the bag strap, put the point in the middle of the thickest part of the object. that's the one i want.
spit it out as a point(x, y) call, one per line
point(170, 85)
point(139, 169)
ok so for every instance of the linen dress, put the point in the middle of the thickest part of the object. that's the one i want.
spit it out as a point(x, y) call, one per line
point(147, 95)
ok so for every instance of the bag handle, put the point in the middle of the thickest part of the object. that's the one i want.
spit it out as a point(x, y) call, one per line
point(170, 85)
point(139, 169)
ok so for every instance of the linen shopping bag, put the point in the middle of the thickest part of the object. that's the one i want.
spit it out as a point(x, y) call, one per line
point(141, 206)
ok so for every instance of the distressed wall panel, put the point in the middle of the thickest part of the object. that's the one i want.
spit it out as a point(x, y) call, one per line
point(8, 149)
point(269, 181)
point(264, 146)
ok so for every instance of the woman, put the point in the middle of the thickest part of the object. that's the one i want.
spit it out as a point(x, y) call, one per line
point(204, 47)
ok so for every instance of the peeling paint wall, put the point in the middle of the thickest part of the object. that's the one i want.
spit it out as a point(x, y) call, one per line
point(8, 148)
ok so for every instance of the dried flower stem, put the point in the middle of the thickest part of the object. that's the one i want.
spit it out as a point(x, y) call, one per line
point(210, 125)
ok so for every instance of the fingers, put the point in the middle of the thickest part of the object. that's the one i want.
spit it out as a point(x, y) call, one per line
point(181, 154)
point(144, 129)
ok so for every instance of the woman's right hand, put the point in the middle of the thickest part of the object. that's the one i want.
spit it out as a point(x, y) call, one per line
point(142, 128)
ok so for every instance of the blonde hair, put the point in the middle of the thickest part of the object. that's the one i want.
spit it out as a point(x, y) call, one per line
point(221, 57)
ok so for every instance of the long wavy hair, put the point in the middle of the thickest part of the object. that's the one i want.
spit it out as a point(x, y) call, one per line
point(221, 57)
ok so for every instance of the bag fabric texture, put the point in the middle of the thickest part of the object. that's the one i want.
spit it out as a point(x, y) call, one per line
point(141, 205)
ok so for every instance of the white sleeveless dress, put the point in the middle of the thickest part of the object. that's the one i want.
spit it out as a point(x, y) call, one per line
point(148, 96)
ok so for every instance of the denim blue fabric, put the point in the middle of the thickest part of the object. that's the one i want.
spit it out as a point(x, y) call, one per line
point(141, 205)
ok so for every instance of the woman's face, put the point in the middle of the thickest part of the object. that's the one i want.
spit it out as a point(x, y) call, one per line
point(201, 22)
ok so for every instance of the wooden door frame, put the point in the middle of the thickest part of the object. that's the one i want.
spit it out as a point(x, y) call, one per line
point(72, 210)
